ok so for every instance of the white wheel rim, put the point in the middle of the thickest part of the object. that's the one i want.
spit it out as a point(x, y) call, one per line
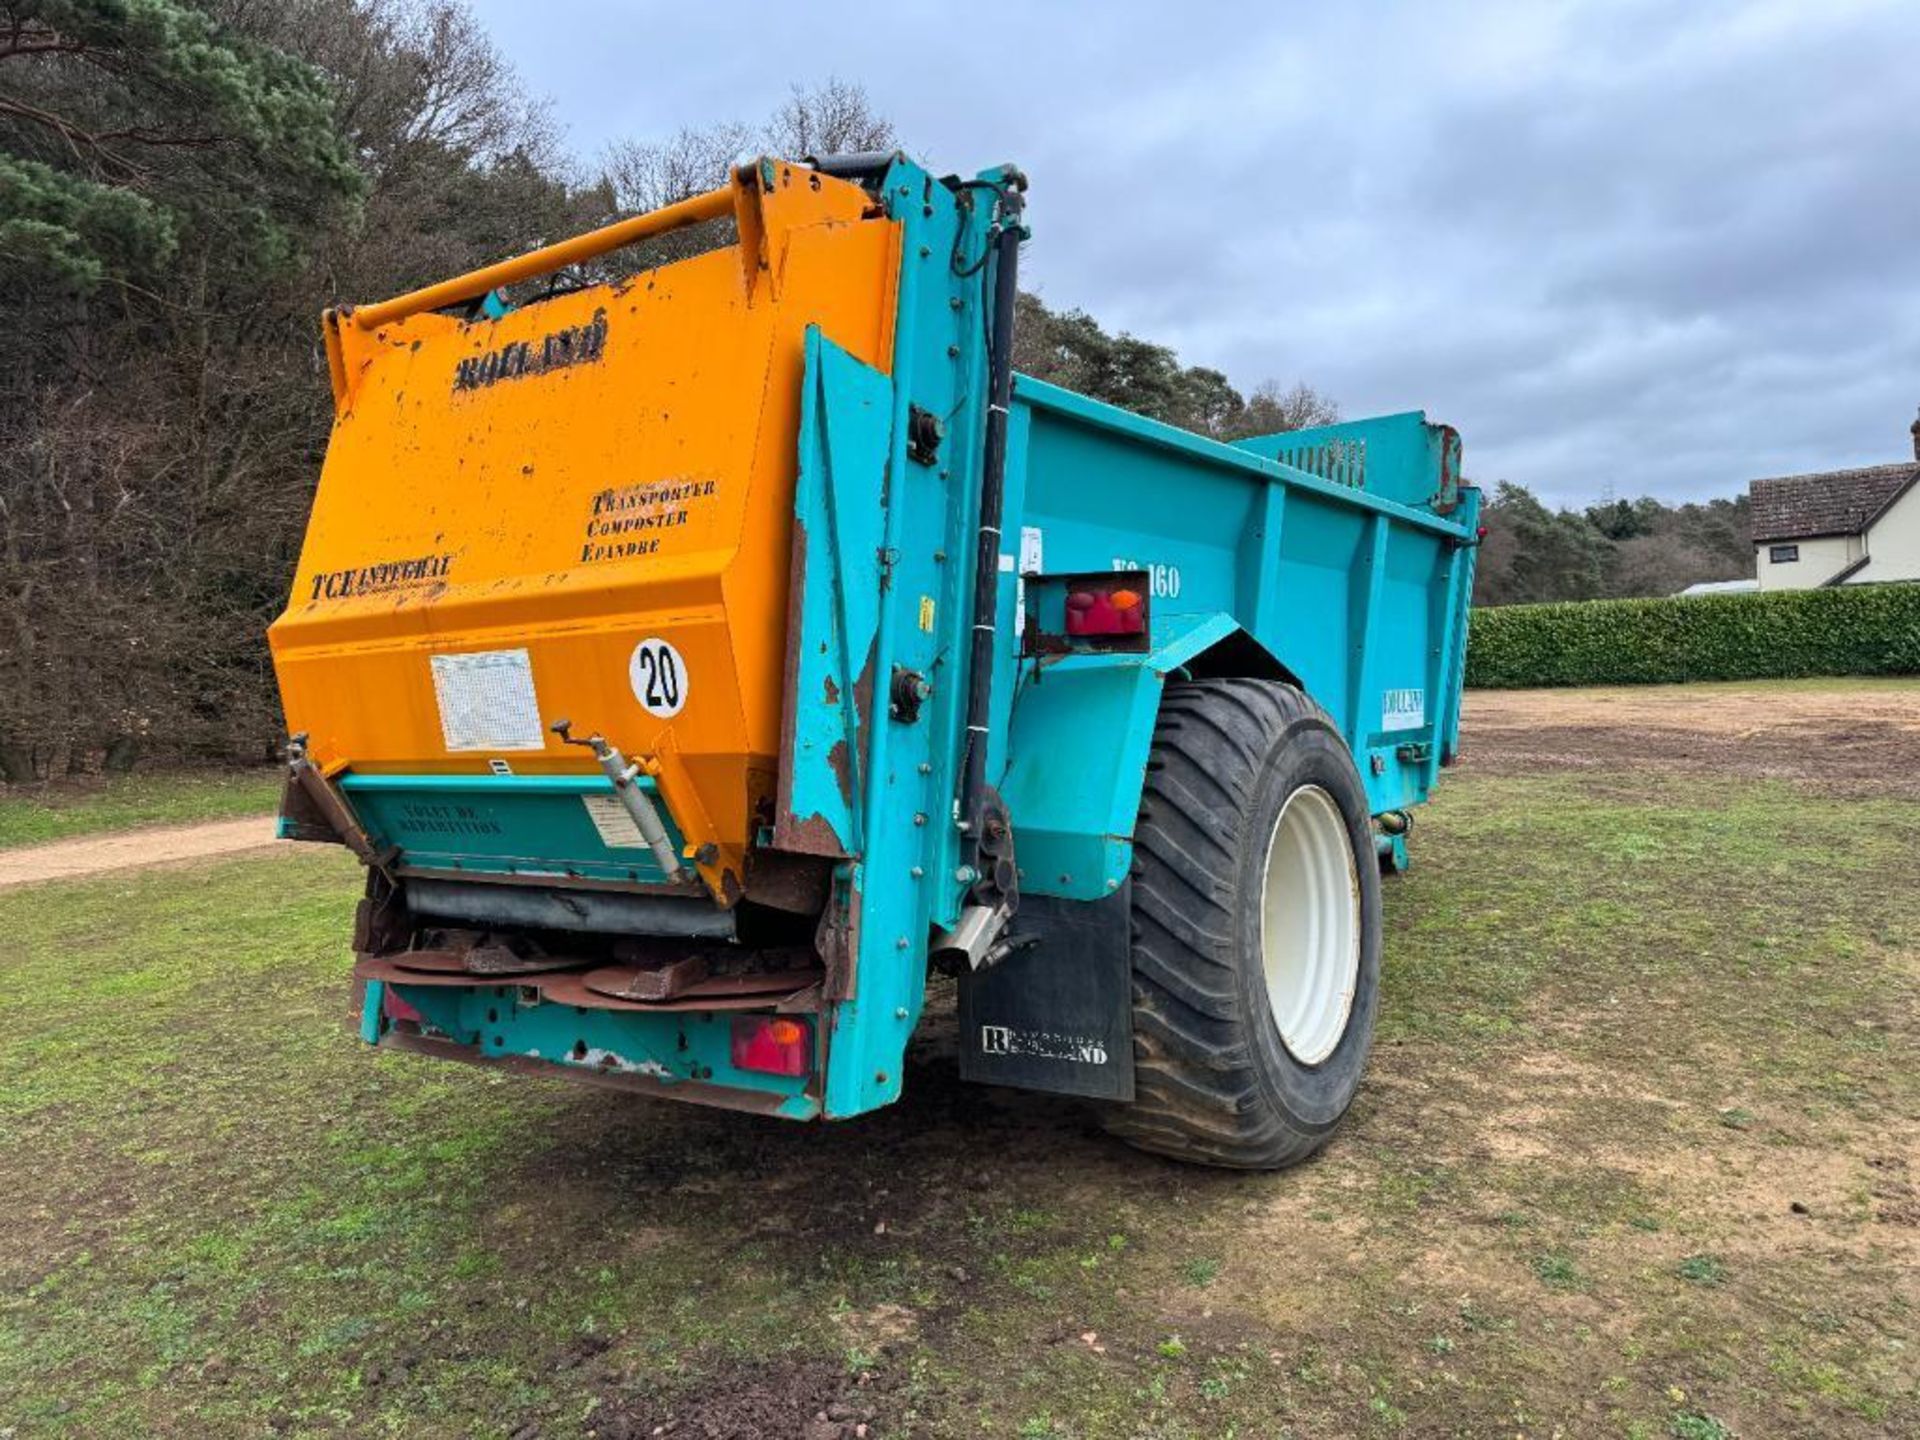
point(1310, 925)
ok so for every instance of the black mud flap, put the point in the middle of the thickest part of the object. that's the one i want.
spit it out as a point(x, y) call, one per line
point(1057, 1013)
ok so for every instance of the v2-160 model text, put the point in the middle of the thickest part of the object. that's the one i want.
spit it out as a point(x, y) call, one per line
point(697, 657)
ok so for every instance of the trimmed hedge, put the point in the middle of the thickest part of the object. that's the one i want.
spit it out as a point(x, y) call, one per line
point(1781, 634)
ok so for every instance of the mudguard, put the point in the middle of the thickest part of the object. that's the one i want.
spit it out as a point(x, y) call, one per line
point(1082, 727)
point(1057, 1013)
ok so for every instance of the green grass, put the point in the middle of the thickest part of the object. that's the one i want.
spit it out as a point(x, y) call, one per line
point(32, 815)
point(1686, 1425)
point(1702, 1269)
point(228, 1217)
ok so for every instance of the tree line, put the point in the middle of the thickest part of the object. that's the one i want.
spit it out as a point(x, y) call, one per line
point(1615, 549)
point(186, 184)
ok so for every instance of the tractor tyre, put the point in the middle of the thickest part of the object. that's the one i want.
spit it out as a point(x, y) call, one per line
point(1256, 929)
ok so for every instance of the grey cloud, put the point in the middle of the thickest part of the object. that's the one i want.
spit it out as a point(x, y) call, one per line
point(1635, 247)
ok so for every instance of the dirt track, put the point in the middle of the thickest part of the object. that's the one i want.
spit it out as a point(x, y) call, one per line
point(133, 849)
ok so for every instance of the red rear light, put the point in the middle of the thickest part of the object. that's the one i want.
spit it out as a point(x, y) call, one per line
point(1105, 609)
point(394, 1008)
point(772, 1044)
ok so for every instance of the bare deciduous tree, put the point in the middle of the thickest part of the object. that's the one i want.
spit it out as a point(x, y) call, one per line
point(833, 118)
point(649, 174)
point(1271, 409)
point(830, 118)
point(642, 175)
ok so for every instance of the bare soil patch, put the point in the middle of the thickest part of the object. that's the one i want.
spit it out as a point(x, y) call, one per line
point(1843, 739)
point(759, 1400)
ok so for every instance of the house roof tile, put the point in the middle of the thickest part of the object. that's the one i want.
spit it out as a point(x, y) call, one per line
point(1837, 502)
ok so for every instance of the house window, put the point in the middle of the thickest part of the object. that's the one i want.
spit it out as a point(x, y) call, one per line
point(1782, 554)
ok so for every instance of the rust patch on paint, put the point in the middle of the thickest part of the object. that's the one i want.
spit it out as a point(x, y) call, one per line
point(795, 883)
point(840, 761)
point(838, 942)
point(863, 689)
point(813, 835)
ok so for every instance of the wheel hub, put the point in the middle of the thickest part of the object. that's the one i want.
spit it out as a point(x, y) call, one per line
point(1310, 925)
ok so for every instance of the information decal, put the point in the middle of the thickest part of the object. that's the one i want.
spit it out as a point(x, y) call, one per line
point(486, 701)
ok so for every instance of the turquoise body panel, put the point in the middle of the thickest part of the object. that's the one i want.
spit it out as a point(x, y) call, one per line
point(1338, 571)
point(525, 825)
point(1344, 577)
point(1081, 730)
point(882, 585)
point(845, 422)
point(690, 1048)
point(1339, 558)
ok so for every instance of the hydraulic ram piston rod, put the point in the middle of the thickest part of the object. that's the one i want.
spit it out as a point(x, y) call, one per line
point(635, 801)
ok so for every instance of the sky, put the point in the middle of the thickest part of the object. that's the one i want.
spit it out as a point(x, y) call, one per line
point(1625, 248)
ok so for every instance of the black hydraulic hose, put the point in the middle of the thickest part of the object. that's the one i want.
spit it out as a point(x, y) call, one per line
point(993, 476)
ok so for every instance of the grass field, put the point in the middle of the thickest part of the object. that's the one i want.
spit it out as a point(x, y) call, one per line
point(33, 814)
point(1636, 1158)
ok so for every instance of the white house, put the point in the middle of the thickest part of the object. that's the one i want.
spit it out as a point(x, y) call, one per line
point(1845, 527)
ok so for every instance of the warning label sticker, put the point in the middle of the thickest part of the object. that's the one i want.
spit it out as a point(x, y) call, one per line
point(617, 829)
point(486, 701)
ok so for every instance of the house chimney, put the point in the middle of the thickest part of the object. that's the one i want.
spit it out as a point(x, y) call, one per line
point(1916, 438)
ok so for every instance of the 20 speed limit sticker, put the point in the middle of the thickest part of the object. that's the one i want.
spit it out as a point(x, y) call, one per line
point(659, 677)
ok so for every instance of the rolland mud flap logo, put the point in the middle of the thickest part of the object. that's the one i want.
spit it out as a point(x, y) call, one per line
point(1041, 1044)
point(575, 345)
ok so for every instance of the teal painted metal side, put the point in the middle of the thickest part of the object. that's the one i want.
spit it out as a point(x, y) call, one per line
point(1338, 567)
point(1344, 575)
point(504, 824)
point(1393, 457)
point(1081, 731)
point(846, 420)
point(882, 581)
point(672, 1047)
